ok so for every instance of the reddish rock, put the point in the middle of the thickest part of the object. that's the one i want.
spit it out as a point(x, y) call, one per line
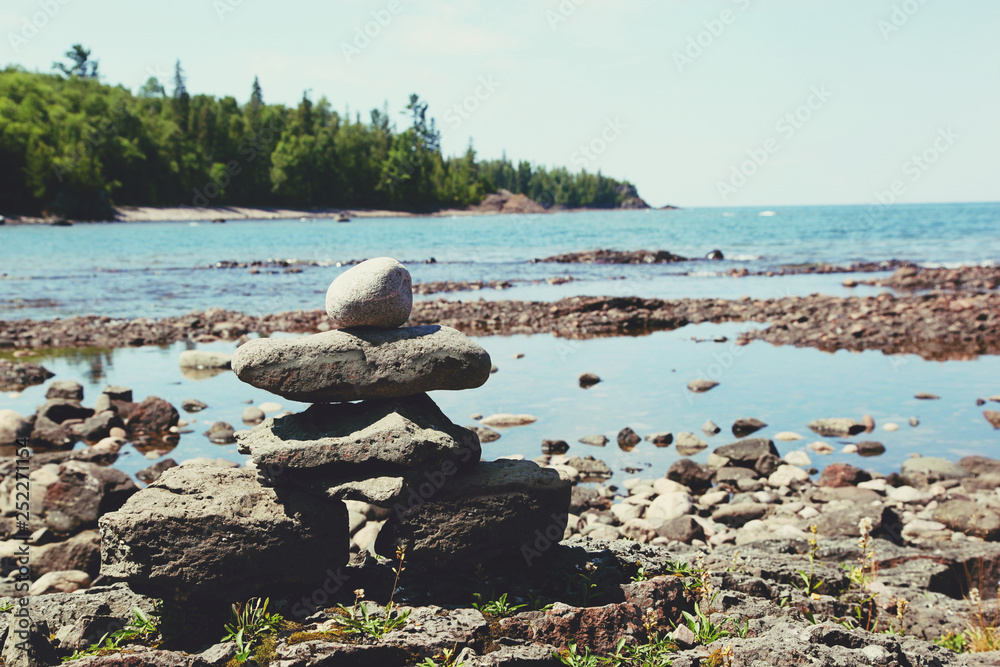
point(153, 415)
point(843, 474)
point(993, 417)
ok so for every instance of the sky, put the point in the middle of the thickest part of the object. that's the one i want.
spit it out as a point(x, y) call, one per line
point(696, 102)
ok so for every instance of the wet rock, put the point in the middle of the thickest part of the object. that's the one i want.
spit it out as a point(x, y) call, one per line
point(207, 531)
point(504, 420)
point(689, 444)
point(68, 389)
point(890, 426)
point(399, 432)
point(205, 359)
point(746, 426)
point(787, 436)
point(662, 439)
point(590, 467)
point(821, 447)
point(924, 396)
point(99, 426)
point(842, 474)
point(153, 416)
point(118, 393)
point(993, 417)
point(495, 510)
point(375, 293)
point(193, 405)
point(627, 439)
point(588, 380)
point(594, 440)
point(836, 427)
point(616, 257)
point(700, 386)
point(798, 458)
point(221, 433)
point(869, 423)
point(554, 447)
point(16, 375)
point(870, 448)
point(746, 452)
point(710, 428)
point(253, 415)
point(152, 473)
point(485, 434)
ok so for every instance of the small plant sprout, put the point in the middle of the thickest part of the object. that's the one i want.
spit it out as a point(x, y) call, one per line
point(498, 608)
point(251, 622)
point(902, 604)
point(356, 619)
point(981, 633)
point(810, 585)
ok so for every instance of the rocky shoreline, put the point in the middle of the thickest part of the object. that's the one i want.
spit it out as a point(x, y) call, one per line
point(934, 326)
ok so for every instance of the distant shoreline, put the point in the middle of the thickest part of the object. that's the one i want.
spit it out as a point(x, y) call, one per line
point(231, 213)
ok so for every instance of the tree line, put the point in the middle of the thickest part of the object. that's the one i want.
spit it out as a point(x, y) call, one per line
point(75, 147)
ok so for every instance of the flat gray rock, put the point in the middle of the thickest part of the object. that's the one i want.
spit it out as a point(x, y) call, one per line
point(208, 531)
point(375, 293)
point(392, 433)
point(833, 427)
point(495, 510)
point(361, 363)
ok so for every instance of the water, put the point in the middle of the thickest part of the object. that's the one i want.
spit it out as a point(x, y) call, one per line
point(148, 270)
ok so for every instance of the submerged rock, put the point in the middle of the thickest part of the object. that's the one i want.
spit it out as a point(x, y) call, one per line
point(834, 427)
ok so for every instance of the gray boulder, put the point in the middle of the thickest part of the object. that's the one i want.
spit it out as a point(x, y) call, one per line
point(65, 389)
point(16, 375)
point(356, 364)
point(399, 432)
point(745, 453)
point(375, 293)
point(923, 470)
point(496, 510)
point(207, 531)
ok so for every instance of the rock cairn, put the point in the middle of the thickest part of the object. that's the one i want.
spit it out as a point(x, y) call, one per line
point(372, 434)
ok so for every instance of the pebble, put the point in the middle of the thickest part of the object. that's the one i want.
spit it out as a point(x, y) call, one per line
point(476, 416)
point(504, 420)
point(594, 440)
point(710, 428)
point(269, 406)
point(787, 436)
point(889, 426)
point(14, 394)
point(661, 439)
point(518, 355)
point(914, 422)
point(924, 396)
point(689, 443)
point(118, 432)
point(850, 449)
point(700, 386)
point(786, 475)
point(375, 293)
point(588, 380)
point(821, 447)
point(798, 458)
point(193, 405)
point(253, 415)
point(869, 423)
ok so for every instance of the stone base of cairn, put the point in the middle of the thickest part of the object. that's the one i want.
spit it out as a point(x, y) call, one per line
point(201, 531)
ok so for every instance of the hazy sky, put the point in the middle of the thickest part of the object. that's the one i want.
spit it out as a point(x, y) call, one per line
point(699, 103)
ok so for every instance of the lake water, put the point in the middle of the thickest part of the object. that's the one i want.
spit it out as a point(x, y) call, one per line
point(148, 270)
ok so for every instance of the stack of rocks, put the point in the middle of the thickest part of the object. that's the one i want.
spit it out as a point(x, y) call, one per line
point(394, 449)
